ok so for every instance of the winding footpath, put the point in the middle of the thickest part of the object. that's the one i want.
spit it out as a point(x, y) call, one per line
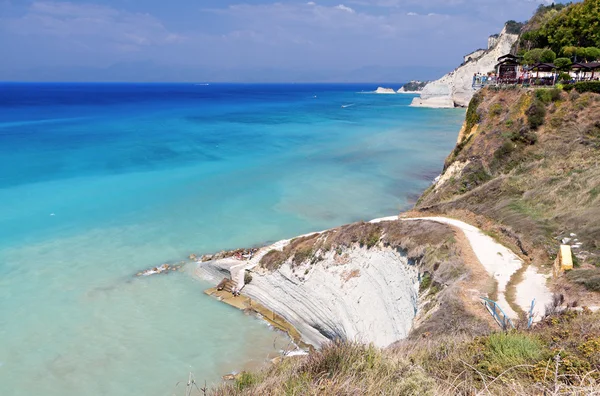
point(502, 264)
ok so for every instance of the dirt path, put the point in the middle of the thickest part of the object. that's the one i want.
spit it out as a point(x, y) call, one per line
point(502, 264)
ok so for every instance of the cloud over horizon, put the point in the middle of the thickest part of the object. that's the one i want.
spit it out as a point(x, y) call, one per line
point(292, 36)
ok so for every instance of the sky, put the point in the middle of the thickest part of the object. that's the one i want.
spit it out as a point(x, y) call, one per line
point(245, 40)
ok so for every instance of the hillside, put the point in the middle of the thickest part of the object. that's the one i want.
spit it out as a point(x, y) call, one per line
point(527, 165)
point(526, 170)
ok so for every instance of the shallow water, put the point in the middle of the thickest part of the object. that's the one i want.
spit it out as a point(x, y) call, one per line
point(99, 181)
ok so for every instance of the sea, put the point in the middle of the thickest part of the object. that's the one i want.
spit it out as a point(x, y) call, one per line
point(101, 181)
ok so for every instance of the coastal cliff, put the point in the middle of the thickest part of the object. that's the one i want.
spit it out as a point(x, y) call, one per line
point(527, 188)
point(523, 179)
point(370, 282)
point(455, 88)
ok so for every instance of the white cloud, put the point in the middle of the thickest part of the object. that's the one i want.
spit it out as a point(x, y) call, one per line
point(345, 8)
point(123, 30)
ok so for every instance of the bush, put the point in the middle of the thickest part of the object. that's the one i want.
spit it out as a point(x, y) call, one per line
point(563, 64)
point(513, 27)
point(496, 109)
point(473, 117)
point(547, 96)
point(273, 260)
point(536, 114)
point(564, 77)
point(247, 277)
point(588, 86)
point(506, 149)
point(548, 56)
point(504, 350)
point(525, 135)
point(533, 56)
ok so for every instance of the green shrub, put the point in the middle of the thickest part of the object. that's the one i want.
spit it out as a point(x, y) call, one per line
point(524, 135)
point(547, 96)
point(461, 145)
point(506, 149)
point(273, 260)
point(496, 109)
point(568, 87)
point(563, 63)
point(588, 86)
point(247, 277)
point(514, 27)
point(535, 114)
point(473, 117)
point(564, 77)
point(246, 380)
point(302, 255)
point(506, 350)
point(548, 56)
point(425, 282)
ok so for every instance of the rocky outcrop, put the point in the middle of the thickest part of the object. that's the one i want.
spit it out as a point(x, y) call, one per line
point(367, 295)
point(358, 282)
point(414, 86)
point(382, 90)
point(455, 88)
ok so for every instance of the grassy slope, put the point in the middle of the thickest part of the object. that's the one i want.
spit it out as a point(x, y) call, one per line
point(530, 186)
point(561, 355)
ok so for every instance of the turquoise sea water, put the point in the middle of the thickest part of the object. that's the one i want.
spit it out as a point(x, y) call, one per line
point(98, 182)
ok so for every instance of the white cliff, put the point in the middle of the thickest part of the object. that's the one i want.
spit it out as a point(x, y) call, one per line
point(382, 90)
point(367, 295)
point(455, 88)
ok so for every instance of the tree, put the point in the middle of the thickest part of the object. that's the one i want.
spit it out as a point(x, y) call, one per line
point(577, 25)
point(592, 54)
point(569, 51)
point(563, 64)
point(548, 56)
point(533, 56)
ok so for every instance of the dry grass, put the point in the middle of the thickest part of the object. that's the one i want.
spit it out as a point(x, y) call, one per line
point(541, 191)
point(559, 356)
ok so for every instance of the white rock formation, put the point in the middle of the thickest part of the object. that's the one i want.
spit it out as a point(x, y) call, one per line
point(474, 55)
point(455, 88)
point(382, 90)
point(368, 295)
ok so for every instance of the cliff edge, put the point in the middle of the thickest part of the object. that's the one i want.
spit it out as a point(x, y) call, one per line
point(455, 88)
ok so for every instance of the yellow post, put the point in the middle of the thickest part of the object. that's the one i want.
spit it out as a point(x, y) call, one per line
point(566, 259)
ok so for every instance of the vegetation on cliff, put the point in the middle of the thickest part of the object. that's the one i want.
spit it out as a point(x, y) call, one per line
point(570, 30)
point(532, 168)
point(560, 355)
point(414, 86)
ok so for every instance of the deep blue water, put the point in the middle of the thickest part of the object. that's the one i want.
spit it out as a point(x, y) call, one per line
point(98, 181)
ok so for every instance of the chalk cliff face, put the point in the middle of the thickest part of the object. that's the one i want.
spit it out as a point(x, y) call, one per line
point(364, 295)
point(455, 88)
point(358, 282)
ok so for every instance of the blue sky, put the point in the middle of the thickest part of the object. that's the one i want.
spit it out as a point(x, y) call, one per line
point(245, 40)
